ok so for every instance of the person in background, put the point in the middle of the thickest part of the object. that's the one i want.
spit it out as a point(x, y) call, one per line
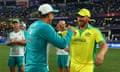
point(16, 42)
point(62, 54)
point(23, 26)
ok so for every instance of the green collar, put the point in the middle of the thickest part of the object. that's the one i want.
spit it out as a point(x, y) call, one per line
point(88, 27)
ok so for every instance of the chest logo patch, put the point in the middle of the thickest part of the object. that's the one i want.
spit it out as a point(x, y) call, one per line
point(87, 34)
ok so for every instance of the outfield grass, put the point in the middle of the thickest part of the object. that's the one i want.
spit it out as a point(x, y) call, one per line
point(111, 62)
point(4, 51)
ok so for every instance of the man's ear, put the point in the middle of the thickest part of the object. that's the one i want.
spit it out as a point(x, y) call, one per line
point(89, 19)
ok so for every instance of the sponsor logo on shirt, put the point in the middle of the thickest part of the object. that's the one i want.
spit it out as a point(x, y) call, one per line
point(80, 40)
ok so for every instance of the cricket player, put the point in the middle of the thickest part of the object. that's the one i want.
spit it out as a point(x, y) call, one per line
point(83, 45)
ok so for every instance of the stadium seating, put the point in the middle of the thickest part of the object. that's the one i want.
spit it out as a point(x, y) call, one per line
point(104, 13)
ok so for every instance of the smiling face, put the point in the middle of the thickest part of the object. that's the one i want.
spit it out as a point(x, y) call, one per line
point(62, 23)
point(16, 26)
point(83, 20)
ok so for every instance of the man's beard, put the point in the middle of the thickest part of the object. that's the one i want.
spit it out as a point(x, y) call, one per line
point(81, 24)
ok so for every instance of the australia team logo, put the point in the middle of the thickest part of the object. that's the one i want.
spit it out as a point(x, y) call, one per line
point(87, 34)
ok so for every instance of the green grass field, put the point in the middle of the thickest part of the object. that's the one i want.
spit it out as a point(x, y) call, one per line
point(111, 62)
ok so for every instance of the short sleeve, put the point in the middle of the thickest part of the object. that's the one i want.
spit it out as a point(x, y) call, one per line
point(99, 37)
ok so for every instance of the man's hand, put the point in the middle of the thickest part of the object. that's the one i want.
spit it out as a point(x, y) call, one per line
point(99, 59)
point(100, 56)
point(15, 40)
point(10, 43)
point(70, 28)
point(66, 49)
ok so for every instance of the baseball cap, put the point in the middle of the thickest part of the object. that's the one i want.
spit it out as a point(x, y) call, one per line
point(23, 25)
point(46, 8)
point(84, 12)
point(14, 22)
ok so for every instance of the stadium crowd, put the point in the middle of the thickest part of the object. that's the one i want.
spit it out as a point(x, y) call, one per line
point(99, 8)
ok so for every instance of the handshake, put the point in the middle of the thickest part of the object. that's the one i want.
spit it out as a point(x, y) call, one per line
point(62, 27)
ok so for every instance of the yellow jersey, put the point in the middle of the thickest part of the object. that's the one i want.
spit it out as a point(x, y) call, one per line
point(83, 45)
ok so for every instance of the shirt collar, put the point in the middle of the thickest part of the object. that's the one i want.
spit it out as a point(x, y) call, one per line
point(88, 27)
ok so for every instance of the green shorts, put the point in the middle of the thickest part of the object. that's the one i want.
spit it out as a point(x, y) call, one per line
point(63, 60)
point(15, 60)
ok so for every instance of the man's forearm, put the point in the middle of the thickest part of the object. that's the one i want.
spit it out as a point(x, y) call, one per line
point(104, 48)
point(22, 42)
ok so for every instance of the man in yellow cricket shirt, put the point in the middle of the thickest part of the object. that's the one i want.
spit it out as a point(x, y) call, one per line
point(83, 45)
